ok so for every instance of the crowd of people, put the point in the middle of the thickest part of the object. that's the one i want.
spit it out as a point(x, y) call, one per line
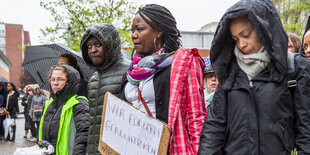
point(250, 96)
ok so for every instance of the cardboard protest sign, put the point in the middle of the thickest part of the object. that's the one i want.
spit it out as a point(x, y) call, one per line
point(129, 131)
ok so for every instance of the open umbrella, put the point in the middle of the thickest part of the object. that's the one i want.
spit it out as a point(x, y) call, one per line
point(39, 60)
point(2, 79)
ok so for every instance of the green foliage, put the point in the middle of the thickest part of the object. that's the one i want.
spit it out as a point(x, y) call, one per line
point(293, 14)
point(81, 14)
point(22, 48)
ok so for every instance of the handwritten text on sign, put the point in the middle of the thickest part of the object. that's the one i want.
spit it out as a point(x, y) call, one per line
point(128, 130)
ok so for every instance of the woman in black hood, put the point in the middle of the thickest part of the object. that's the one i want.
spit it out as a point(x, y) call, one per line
point(64, 122)
point(254, 111)
point(305, 45)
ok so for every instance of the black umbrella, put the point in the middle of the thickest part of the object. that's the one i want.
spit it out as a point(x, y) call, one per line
point(2, 79)
point(39, 60)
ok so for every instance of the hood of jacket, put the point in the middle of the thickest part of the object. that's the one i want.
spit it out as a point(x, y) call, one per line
point(306, 29)
point(72, 86)
point(266, 22)
point(108, 35)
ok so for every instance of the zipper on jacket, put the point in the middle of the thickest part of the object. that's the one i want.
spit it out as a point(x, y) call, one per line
point(95, 112)
point(252, 92)
point(283, 129)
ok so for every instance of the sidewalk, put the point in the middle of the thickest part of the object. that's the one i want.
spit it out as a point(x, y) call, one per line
point(7, 147)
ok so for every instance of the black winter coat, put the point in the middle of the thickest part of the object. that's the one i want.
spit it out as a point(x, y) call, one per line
point(52, 115)
point(108, 77)
point(161, 82)
point(259, 116)
point(12, 106)
point(27, 105)
point(83, 88)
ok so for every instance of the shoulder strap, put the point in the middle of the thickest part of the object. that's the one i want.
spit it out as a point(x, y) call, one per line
point(291, 75)
point(140, 98)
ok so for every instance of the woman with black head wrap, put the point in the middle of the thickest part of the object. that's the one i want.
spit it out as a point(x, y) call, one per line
point(167, 77)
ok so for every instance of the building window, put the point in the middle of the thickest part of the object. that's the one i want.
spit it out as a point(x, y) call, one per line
point(2, 42)
point(3, 50)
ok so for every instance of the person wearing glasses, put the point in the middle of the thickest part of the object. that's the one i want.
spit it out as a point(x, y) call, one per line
point(101, 48)
point(64, 121)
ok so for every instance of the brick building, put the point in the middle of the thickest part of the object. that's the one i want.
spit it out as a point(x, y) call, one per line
point(12, 39)
point(5, 65)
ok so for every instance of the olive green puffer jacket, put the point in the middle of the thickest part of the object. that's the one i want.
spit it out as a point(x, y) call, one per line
point(108, 77)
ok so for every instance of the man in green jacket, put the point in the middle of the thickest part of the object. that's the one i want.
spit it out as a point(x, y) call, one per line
point(101, 48)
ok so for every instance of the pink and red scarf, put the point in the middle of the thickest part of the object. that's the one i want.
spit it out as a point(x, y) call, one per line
point(144, 67)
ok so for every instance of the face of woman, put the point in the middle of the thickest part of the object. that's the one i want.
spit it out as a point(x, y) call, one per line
point(211, 82)
point(290, 46)
point(29, 92)
point(38, 91)
point(58, 80)
point(243, 33)
point(62, 60)
point(9, 87)
point(143, 36)
point(306, 44)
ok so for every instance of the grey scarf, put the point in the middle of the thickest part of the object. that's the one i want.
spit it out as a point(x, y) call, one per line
point(254, 63)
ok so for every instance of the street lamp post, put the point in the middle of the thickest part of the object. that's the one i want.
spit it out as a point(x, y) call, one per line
point(69, 33)
point(69, 29)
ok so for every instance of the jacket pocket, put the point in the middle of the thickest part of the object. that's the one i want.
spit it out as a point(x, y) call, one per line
point(286, 134)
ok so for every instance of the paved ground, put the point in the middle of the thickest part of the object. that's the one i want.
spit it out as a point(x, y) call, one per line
point(7, 147)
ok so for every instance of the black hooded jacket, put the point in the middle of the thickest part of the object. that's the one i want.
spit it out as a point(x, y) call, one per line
point(258, 116)
point(108, 77)
point(52, 115)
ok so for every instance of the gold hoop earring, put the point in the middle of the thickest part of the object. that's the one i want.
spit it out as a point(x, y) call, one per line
point(155, 45)
point(132, 53)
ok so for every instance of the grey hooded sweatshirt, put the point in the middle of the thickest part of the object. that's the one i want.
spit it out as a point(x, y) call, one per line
point(108, 77)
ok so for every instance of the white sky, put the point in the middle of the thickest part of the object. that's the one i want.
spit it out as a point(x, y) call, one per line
point(191, 15)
